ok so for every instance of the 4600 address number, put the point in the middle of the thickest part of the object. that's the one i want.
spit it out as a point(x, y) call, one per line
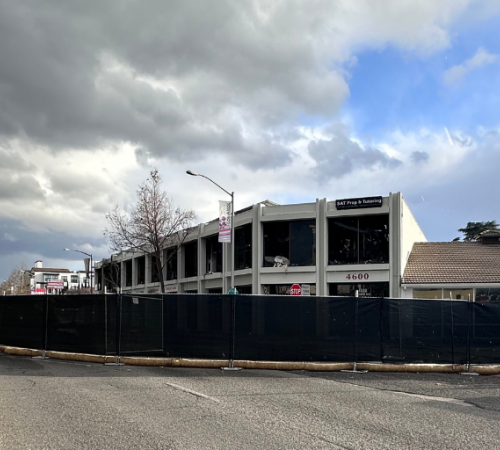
point(357, 276)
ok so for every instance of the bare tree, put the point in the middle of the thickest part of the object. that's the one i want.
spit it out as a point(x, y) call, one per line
point(111, 274)
point(18, 282)
point(152, 224)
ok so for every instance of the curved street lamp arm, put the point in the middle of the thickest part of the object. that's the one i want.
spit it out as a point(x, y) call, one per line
point(219, 186)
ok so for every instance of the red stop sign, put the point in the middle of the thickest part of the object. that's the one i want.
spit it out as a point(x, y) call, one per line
point(295, 289)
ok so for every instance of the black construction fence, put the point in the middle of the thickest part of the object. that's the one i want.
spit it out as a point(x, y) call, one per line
point(260, 328)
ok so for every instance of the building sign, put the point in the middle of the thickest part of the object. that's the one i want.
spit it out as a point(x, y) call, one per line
point(356, 203)
point(224, 221)
point(357, 276)
point(55, 284)
point(171, 288)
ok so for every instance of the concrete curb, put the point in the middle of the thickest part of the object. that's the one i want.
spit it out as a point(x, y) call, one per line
point(263, 365)
point(20, 351)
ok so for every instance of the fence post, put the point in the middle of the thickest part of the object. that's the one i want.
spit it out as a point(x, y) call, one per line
point(355, 347)
point(46, 326)
point(469, 312)
point(232, 335)
point(381, 329)
point(118, 331)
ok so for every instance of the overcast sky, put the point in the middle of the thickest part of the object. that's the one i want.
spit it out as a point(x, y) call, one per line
point(287, 100)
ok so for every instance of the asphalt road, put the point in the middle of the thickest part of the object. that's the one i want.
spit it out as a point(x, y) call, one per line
point(50, 404)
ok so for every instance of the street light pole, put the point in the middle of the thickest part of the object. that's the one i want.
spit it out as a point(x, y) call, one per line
point(233, 288)
point(189, 172)
point(91, 266)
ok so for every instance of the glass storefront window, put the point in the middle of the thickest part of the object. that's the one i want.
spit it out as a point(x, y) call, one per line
point(213, 254)
point(364, 289)
point(243, 247)
point(170, 256)
point(428, 294)
point(343, 240)
point(283, 289)
point(488, 295)
point(374, 239)
point(191, 259)
point(358, 240)
point(141, 269)
point(276, 241)
point(303, 243)
point(128, 273)
point(458, 294)
point(154, 272)
point(296, 241)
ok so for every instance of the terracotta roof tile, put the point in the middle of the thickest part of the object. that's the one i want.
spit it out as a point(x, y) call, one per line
point(453, 262)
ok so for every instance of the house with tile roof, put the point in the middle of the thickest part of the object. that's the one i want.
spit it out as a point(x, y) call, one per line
point(456, 270)
point(70, 281)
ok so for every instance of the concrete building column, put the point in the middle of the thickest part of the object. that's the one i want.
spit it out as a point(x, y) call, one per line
point(121, 282)
point(201, 259)
point(321, 247)
point(134, 273)
point(257, 248)
point(180, 288)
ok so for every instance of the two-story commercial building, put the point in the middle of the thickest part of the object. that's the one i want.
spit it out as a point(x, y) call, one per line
point(330, 247)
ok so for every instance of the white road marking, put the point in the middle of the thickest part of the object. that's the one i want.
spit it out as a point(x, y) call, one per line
point(189, 391)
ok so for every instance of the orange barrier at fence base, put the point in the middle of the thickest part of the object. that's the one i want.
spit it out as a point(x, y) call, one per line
point(263, 365)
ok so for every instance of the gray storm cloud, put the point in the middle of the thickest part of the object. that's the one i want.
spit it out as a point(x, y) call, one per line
point(341, 155)
point(419, 157)
point(176, 80)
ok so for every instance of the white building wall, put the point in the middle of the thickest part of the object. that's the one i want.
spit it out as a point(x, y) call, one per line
point(403, 229)
point(410, 233)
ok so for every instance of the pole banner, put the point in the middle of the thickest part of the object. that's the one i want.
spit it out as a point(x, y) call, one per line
point(86, 262)
point(224, 221)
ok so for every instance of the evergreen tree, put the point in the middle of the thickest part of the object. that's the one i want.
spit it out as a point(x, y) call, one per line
point(473, 229)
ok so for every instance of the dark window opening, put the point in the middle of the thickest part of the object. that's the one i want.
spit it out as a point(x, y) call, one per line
point(128, 273)
point(154, 272)
point(214, 291)
point(292, 243)
point(170, 255)
point(358, 240)
point(243, 247)
point(246, 290)
point(141, 269)
point(488, 294)
point(111, 274)
point(284, 289)
point(213, 254)
point(191, 259)
point(364, 289)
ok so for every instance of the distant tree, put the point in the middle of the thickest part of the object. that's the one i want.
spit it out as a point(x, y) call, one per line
point(152, 224)
point(473, 229)
point(18, 282)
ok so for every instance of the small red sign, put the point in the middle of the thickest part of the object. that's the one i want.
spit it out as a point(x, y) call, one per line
point(295, 289)
point(38, 291)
